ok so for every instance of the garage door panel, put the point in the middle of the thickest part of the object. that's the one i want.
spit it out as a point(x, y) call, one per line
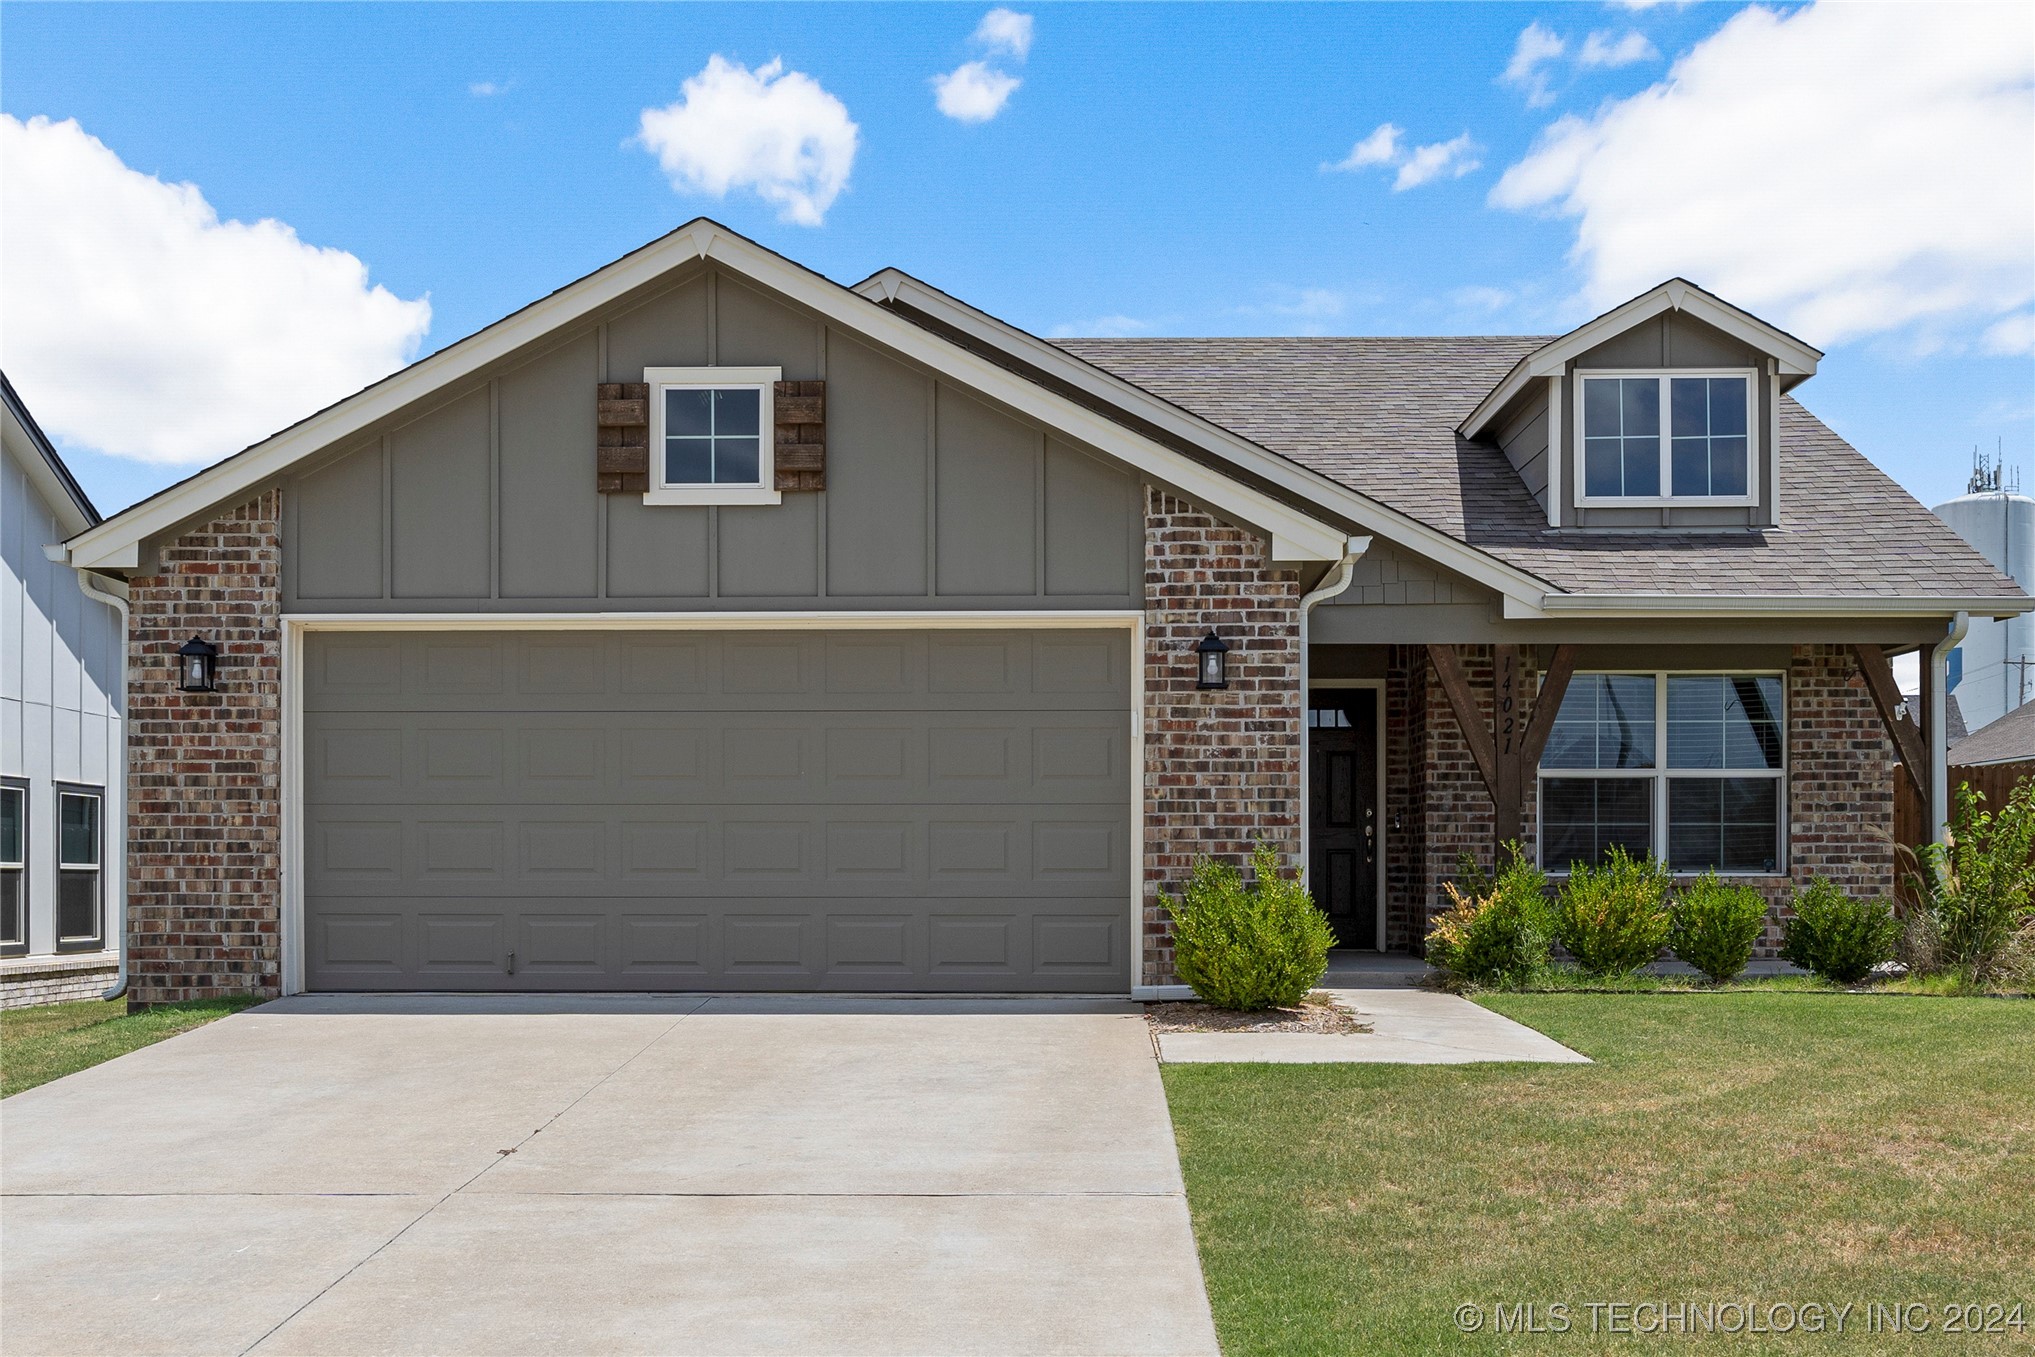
point(871, 811)
point(464, 758)
point(569, 943)
point(716, 671)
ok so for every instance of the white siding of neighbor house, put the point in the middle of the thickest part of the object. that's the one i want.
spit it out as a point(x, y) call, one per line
point(59, 695)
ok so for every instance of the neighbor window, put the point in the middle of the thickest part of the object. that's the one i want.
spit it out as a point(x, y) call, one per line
point(13, 869)
point(1687, 767)
point(711, 434)
point(1704, 452)
point(79, 886)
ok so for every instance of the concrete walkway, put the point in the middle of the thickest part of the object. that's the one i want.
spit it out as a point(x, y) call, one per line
point(607, 1175)
point(1409, 1026)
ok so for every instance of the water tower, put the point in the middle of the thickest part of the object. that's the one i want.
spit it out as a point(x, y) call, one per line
point(1999, 657)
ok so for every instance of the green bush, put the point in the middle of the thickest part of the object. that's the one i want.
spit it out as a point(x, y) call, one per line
point(1614, 918)
point(1837, 937)
point(1252, 947)
point(1979, 892)
point(1715, 926)
point(1497, 931)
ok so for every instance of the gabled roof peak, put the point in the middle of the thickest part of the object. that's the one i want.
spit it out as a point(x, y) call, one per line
point(1793, 358)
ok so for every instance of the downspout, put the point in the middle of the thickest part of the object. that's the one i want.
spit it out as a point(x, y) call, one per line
point(1939, 727)
point(118, 840)
point(1333, 583)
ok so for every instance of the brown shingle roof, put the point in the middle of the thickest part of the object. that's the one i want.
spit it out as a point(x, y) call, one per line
point(1379, 415)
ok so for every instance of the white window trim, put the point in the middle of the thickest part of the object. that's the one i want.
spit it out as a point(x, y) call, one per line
point(763, 380)
point(97, 867)
point(18, 865)
point(1753, 440)
point(1660, 774)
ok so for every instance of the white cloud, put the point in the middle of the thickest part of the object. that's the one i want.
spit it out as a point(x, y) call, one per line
point(142, 326)
point(1006, 32)
point(1841, 170)
point(2011, 335)
point(487, 89)
point(1451, 158)
point(1482, 298)
point(1103, 327)
point(1536, 48)
point(1380, 148)
point(1605, 49)
point(973, 92)
point(1386, 145)
point(772, 131)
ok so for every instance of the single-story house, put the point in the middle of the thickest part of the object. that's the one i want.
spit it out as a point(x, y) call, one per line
point(2011, 739)
point(61, 827)
point(708, 625)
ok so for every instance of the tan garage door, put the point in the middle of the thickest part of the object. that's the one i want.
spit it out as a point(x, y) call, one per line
point(938, 810)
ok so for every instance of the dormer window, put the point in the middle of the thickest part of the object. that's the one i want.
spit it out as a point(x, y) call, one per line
point(1666, 437)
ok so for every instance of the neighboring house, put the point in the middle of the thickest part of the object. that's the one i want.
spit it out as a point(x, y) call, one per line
point(1997, 656)
point(2011, 739)
point(709, 625)
point(61, 788)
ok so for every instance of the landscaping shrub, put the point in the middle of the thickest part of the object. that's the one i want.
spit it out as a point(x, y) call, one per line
point(1715, 926)
point(1497, 929)
point(1248, 947)
point(1837, 937)
point(1979, 891)
point(1614, 918)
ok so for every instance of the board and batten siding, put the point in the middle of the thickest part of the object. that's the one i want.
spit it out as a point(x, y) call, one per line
point(487, 502)
point(59, 696)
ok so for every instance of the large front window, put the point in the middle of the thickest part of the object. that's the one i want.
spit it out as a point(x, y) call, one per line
point(13, 869)
point(1687, 767)
point(1658, 437)
point(80, 925)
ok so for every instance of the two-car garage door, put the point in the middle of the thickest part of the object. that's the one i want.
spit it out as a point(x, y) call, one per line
point(881, 810)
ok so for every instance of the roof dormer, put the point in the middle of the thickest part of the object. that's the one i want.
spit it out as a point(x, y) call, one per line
point(1662, 413)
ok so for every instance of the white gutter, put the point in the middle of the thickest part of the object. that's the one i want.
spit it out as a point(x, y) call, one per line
point(1939, 721)
point(118, 839)
point(1758, 605)
point(1333, 583)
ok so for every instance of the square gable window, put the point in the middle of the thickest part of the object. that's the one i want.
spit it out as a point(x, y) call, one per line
point(711, 435)
point(1666, 437)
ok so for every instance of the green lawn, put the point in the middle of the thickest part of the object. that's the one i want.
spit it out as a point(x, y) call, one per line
point(41, 1044)
point(1770, 1147)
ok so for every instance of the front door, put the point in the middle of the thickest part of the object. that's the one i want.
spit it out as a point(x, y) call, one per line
point(1342, 757)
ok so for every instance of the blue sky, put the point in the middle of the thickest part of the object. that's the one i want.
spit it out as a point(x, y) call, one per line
point(1157, 169)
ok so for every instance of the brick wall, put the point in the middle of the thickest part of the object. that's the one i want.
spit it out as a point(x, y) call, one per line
point(204, 824)
point(1222, 767)
point(1840, 799)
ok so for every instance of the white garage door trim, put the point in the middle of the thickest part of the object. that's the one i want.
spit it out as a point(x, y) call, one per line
point(297, 625)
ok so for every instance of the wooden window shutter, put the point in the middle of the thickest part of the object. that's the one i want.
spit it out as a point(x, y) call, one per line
point(623, 446)
point(801, 451)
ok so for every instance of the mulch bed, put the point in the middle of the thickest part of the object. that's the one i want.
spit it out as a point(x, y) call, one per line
point(1316, 1013)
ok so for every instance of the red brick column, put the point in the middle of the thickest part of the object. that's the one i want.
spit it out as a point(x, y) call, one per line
point(204, 785)
point(1222, 767)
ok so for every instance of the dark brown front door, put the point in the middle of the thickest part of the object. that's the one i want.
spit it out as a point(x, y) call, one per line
point(1342, 756)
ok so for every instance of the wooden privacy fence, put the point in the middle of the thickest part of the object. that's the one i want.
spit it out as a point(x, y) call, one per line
point(1995, 781)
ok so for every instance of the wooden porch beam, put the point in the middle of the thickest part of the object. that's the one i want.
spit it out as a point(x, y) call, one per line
point(1554, 686)
point(1469, 720)
point(1886, 699)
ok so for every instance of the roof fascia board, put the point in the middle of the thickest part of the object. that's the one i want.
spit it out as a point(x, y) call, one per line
point(1795, 359)
point(1638, 606)
point(1294, 535)
point(895, 285)
point(45, 470)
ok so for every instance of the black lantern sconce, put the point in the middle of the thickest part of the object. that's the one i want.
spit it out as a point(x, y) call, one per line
point(198, 666)
point(1211, 660)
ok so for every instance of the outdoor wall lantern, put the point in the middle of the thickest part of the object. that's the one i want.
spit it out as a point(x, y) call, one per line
point(198, 666)
point(1212, 659)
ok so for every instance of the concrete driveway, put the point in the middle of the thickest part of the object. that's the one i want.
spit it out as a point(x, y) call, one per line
point(607, 1175)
